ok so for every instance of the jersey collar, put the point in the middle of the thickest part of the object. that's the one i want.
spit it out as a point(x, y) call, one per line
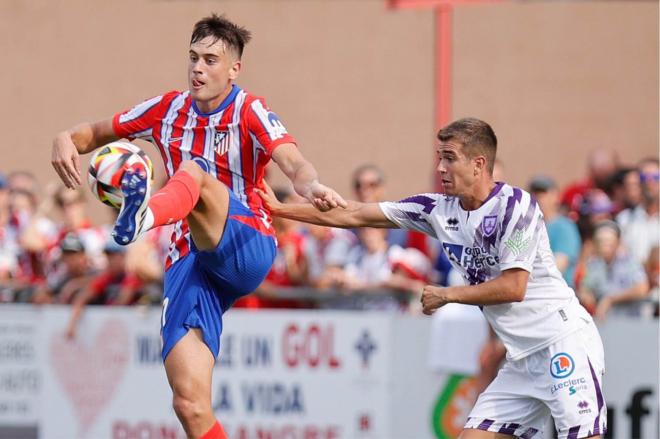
point(223, 105)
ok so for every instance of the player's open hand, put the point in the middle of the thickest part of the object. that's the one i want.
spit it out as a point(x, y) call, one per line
point(325, 198)
point(433, 298)
point(66, 161)
point(271, 201)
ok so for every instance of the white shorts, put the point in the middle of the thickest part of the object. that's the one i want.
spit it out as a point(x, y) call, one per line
point(563, 380)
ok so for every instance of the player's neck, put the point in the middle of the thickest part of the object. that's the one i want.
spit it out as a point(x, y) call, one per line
point(478, 196)
point(210, 105)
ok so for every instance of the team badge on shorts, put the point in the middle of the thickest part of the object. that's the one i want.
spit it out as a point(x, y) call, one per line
point(489, 224)
point(561, 365)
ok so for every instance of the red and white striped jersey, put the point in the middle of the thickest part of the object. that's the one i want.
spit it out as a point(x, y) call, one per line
point(235, 141)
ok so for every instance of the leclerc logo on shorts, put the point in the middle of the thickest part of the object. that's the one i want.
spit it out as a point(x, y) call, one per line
point(561, 365)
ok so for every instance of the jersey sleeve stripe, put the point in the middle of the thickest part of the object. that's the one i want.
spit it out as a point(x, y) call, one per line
point(139, 110)
point(511, 203)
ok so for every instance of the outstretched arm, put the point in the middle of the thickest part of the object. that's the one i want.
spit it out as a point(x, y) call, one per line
point(81, 139)
point(509, 286)
point(354, 215)
point(305, 178)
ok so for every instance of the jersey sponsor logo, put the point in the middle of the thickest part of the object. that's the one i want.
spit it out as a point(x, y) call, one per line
point(573, 385)
point(489, 224)
point(269, 120)
point(561, 365)
point(452, 224)
point(454, 251)
point(517, 243)
point(470, 257)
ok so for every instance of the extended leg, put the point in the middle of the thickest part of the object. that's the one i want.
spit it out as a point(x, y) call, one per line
point(189, 367)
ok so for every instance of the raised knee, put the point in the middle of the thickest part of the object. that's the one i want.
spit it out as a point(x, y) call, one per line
point(193, 168)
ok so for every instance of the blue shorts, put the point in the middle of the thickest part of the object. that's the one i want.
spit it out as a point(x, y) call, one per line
point(202, 285)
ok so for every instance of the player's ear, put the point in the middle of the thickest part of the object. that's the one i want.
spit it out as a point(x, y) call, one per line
point(479, 165)
point(235, 69)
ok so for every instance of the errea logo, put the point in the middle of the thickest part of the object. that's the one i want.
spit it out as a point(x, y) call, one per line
point(452, 224)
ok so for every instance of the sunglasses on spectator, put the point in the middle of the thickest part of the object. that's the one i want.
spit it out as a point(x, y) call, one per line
point(367, 184)
point(649, 176)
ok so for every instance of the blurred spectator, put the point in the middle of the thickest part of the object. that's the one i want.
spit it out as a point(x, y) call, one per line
point(640, 224)
point(614, 282)
point(31, 230)
point(369, 187)
point(289, 268)
point(23, 181)
point(626, 189)
point(562, 232)
point(368, 265)
point(368, 268)
point(653, 275)
point(145, 258)
point(595, 208)
point(326, 253)
point(73, 275)
point(114, 286)
point(369, 183)
point(411, 270)
point(72, 208)
point(602, 164)
point(9, 246)
point(375, 265)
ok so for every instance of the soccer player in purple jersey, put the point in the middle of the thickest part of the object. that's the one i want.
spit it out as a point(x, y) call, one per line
point(494, 235)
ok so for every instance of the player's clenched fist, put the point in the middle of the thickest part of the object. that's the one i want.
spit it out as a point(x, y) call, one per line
point(433, 298)
point(325, 198)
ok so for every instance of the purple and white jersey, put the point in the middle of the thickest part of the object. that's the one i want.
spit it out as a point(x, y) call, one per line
point(506, 232)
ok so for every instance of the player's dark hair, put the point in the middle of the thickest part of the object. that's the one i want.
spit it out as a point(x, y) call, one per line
point(220, 28)
point(476, 137)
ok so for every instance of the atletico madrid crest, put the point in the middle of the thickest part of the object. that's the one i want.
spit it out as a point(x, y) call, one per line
point(221, 142)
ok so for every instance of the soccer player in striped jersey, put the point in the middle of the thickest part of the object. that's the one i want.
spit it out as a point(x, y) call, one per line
point(215, 140)
point(494, 235)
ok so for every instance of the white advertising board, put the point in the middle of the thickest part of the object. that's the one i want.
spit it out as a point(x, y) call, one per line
point(281, 375)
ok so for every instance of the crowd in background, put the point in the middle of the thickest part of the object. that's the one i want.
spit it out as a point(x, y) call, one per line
point(603, 230)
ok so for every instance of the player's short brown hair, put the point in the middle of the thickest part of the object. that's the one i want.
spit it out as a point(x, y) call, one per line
point(476, 137)
point(220, 28)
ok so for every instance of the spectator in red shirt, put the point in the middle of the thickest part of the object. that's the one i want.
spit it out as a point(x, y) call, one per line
point(602, 165)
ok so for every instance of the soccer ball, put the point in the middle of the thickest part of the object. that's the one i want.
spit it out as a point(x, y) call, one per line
point(106, 169)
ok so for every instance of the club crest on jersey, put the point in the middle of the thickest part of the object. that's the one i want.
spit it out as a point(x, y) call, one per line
point(561, 365)
point(489, 224)
point(221, 142)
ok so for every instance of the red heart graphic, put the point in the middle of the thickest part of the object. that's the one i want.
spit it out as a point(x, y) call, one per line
point(90, 375)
